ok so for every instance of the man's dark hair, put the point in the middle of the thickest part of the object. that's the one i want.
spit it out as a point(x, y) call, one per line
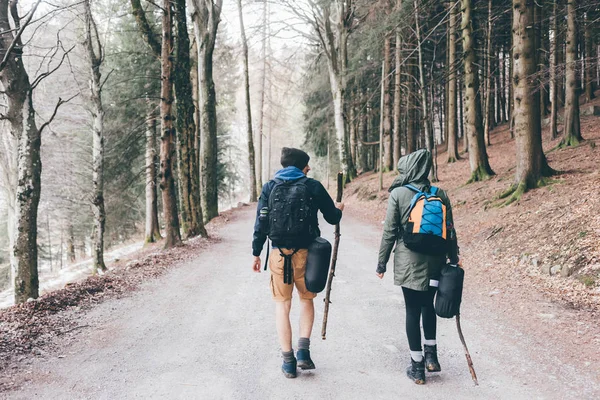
point(294, 157)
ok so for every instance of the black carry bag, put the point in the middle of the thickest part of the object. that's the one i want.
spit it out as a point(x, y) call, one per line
point(449, 293)
point(317, 265)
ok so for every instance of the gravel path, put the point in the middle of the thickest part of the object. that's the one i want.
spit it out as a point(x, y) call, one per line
point(206, 330)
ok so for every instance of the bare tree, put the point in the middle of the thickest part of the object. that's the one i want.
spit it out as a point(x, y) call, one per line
point(478, 159)
point(95, 54)
point(572, 135)
point(163, 49)
point(20, 113)
point(452, 109)
point(251, 158)
point(152, 226)
point(531, 161)
point(388, 157)
point(398, 96)
point(554, 75)
point(206, 16)
point(332, 23)
point(189, 180)
point(589, 59)
point(167, 146)
point(429, 140)
point(488, 77)
point(263, 91)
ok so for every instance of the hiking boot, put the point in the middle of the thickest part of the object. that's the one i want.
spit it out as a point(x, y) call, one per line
point(289, 369)
point(431, 361)
point(304, 360)
point(416, 371)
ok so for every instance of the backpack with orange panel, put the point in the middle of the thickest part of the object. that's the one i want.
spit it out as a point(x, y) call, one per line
point(426, 230)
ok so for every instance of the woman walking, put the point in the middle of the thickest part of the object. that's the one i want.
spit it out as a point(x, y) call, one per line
point(424, 224)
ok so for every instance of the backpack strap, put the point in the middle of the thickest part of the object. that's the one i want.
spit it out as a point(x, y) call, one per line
point(267, 259)
point(288, 271)
point(433, 190)
point(413, 188)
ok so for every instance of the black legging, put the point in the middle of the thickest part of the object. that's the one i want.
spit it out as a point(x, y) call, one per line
point(417, 304)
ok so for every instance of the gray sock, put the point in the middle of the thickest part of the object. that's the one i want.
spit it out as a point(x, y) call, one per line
point(303, 343)
point(288, 356)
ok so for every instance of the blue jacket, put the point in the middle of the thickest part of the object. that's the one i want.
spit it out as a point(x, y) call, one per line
point(321, 199)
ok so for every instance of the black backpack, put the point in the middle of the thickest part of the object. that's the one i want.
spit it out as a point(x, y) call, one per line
point(290, 212)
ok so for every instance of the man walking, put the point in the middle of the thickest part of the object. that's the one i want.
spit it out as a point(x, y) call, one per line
point(287, 214)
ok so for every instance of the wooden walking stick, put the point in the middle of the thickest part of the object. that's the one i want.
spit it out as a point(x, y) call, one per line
point(336, 243)
point(467, 354)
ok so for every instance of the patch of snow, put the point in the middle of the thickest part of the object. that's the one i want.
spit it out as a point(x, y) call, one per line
point(57, 279)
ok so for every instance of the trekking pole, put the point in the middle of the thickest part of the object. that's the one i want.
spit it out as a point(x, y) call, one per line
point(336, 243)
point(467, 354)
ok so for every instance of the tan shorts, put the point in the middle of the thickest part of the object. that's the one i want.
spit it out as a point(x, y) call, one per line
point(283, 291)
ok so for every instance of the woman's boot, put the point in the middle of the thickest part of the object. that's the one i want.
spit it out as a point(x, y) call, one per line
point(431, 361)
point(416, 371)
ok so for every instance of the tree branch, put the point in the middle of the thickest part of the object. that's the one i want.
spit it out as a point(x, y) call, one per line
point(145, 29)
point(17, 38)
point(46, 74)
point(106, 78)
point(58, 104)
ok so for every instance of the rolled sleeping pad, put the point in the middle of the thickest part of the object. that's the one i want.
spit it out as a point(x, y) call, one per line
point(449, 292)
point(317, 265)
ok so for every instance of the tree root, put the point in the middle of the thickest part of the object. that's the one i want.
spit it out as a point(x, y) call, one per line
point(516, 191)
point(569, 141)
point(452, 160)
point(480, 174)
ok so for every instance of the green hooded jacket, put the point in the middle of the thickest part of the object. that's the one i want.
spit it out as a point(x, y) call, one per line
point(411, 269)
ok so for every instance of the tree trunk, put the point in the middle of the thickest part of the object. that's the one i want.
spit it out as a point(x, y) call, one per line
point(167, 146)
point(478, 159)
point(554, 75)
point(353, 129)
point(95, 55)
point(540, 49)
point(429, 139)
point(388, 157)
point(206, 17)
point(263, 90)
point(411, 132)
point(487, 124)
point(189, 181)
point(251, 157)
point(589, 59)
point(461, 109)
point(25, 250)
point(335, 43)
point(152, 226)
point(561, 62)
point(504, 116)
point(381, 122)
point(8, 186)
point(572, 129)
point(397, 153)
point(364, 133)
point(452, 111)
point(71, 244)
point(531, 162)
point(21, 117)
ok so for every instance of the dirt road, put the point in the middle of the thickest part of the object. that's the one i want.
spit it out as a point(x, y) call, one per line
point(206, 331)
